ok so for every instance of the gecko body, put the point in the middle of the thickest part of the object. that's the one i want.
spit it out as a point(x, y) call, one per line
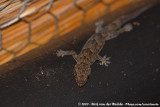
point(90, 51)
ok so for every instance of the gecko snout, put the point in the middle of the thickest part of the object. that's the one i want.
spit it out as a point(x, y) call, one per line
point(81, 73)
point(80, 84)
point(80, 80)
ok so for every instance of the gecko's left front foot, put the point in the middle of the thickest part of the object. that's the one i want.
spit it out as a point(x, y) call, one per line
point(105, 61)
point(61, 53)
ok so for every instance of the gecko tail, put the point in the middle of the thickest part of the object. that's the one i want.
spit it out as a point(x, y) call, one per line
point(125, 18)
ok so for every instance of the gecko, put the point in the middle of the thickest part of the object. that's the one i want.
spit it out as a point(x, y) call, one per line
point(91, 49)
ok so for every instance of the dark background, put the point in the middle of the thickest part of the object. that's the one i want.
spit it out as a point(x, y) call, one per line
point(132, 77)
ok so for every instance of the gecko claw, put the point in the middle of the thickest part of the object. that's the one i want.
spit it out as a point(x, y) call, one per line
point(105, 61)
point(60, 53)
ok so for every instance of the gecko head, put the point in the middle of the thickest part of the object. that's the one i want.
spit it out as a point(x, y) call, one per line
point(81, 73)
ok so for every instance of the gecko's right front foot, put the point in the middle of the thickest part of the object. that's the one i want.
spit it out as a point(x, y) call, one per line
point(60, 53)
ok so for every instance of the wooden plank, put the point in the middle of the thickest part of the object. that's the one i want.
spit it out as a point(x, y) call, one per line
point(43, 29)
point(95, 12)
point(118, 4)
point(108, 2)
point(6, 57)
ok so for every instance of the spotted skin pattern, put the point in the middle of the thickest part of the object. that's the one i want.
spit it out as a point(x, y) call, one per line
point(90, 51)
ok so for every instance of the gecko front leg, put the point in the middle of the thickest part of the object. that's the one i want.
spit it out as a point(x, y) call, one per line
point(63, 53)
point(103, 60)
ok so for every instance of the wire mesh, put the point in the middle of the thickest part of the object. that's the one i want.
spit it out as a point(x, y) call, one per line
point(7, 6)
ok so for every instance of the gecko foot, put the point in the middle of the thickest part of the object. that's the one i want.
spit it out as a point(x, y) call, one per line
point(105, 61)
point(128, 27)
point(99, 26)
point(61, 53)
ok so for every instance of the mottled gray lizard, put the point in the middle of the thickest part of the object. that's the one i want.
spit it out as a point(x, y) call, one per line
point(90, 51)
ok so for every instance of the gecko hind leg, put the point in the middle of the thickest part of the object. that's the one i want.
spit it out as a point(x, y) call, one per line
point(61, 53)
point(126, 28)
